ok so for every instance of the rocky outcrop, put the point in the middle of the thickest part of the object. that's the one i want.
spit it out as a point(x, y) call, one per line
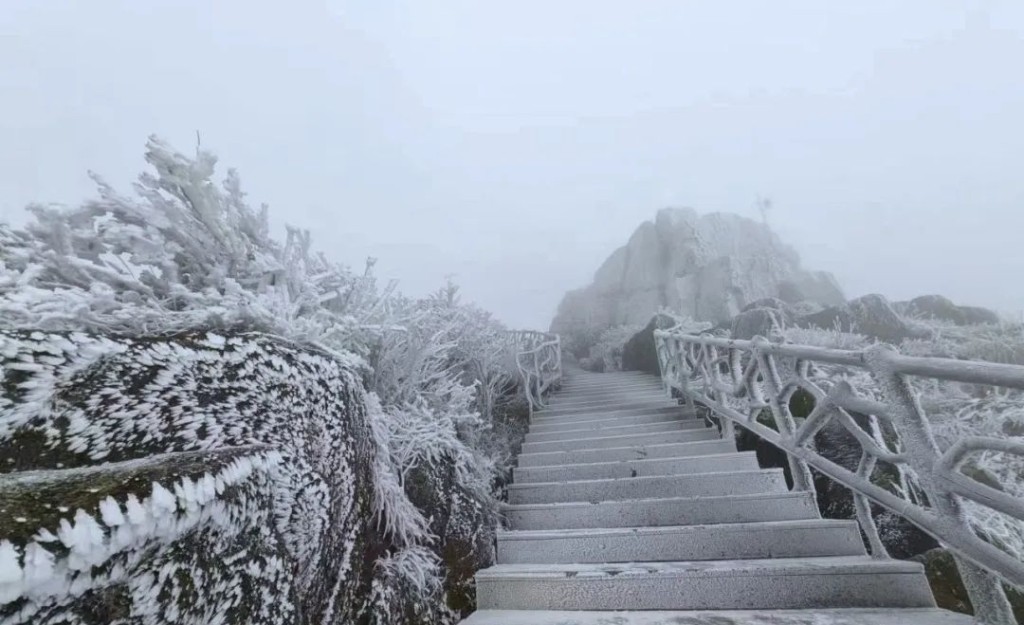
point(708, 267)
point(976, 315)
point(870, 315)
point(194, 479)
point(766, 322)
point(943, 309)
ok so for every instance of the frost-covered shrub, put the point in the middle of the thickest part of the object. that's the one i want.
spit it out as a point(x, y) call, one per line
point(1002, 342)
point(185, 255)
point(834, 339)
point(443, 375)
point(182, 253)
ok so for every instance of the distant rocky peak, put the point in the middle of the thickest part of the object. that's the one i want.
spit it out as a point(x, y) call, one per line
point(708, 266)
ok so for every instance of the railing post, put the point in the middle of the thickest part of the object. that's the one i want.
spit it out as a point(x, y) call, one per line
point(802, 478)
point(684, 374)
point(991, 606)
point(659, 351)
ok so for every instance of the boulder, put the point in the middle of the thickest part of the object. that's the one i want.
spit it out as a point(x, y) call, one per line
point(831, 318)
point(815, 286)
point(943, 309)
point(769, 302)
point(639, 353)
point(193, 478)
point(873, 316)
point(805, 307)
point(935, 307)
point(766, 322)
point(870, 315)
point(975, 315)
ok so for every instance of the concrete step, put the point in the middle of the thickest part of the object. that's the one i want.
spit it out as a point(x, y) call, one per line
point(739, 461)
point(786, 583)
point(674, 425)
point(625, 385)
point(605, 442)
point(629, 452)
point(639, 386)
point(656, 486)
point(612, 413)
point(606, 422)
point(562, 399)
point(620, 405)
point(847, 616)
point(643, 402)
point(577, 373)
point(605, 379)
point(727, 541)
point(791, 506)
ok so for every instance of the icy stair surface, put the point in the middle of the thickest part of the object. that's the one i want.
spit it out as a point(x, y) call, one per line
point(627, 509)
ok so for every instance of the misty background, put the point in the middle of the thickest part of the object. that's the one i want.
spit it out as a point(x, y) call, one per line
point(514, 146)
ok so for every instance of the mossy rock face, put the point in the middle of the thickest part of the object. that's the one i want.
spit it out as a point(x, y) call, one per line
point(464, 523)
point(948, 588)
point(188, 479)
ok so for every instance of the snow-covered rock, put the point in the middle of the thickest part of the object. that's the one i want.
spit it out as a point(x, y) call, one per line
point(708, 267)
point(764, 322)
point(192, 479)
point(871, 315)
point(943, 309)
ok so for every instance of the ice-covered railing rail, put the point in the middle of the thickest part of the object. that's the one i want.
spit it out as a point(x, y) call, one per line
point(739, 381)
point(539, 360)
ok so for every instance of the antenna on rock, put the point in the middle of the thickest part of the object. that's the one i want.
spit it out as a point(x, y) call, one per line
point(764, 204)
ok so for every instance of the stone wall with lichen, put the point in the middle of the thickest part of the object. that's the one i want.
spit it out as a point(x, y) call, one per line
point(191, 479)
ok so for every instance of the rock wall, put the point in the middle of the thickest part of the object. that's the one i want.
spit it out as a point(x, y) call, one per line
point(706, 266)
point(192, 479)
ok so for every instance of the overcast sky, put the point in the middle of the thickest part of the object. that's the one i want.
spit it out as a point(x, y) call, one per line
point(515, 145)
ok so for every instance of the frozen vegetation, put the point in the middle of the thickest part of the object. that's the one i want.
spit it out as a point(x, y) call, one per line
point(202, 424)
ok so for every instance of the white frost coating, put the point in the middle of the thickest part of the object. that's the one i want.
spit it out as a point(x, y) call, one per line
point(10, 569)
point(110, 512)
point(46, 575)
point(39, 565)
point(85, 540)
point(162, 500)
point(136, 512)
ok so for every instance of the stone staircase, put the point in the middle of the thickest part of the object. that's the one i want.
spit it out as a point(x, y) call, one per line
point(629, 510)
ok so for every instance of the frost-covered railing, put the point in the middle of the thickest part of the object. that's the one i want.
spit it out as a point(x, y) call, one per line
point(741, 381)
point(539, 360)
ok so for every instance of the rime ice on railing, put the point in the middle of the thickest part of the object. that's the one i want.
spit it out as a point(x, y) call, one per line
point(539, 360)
point(747, 382)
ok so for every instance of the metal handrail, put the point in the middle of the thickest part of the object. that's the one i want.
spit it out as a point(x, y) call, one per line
point(739, 380)
point(538, 357)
